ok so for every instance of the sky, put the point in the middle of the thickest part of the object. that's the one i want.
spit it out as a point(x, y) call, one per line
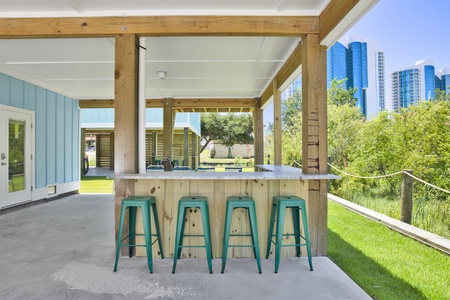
point(407, 31)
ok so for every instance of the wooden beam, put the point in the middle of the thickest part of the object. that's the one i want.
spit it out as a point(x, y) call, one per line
point(96, 103)
point(186, 105)
point(125, 86)
point(125, 116)
point(335, 11)
point(168, 122)
point(314, 138)
point(158, 26)
point(277, 140)
point(292, 63)
point(258, 130)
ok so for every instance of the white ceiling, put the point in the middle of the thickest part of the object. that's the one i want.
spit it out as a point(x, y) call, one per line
point(196, 66)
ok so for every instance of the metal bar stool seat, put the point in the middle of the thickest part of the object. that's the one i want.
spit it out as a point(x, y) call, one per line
point(279, 206)
point(132, 203)
point(184, 204)
point(247, 203)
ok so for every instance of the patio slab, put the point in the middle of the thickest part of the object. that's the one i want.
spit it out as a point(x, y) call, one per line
point(64, 249)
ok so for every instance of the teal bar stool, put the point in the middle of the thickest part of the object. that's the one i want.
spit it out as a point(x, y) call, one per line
point(279, 206)
point(184, 204)
point(247, 203)
point(132, 203)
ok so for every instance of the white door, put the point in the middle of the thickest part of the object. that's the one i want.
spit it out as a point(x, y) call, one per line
point(15, 157)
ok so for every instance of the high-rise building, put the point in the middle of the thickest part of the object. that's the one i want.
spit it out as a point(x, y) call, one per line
point(363, 66)
point(411, 85)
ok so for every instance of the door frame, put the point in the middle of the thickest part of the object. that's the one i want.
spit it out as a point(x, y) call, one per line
point(31, 171)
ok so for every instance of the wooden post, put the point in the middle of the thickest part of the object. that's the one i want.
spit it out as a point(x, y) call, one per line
point(97, 150)
point(82, 149)
point(186, 147)
point(258, 130)
point(154, 143)
point(194, 151)
point(111, 150)
point(277, 159)
point(168, 123)
point(407, 197)
point(125, 116)
point(314, 138)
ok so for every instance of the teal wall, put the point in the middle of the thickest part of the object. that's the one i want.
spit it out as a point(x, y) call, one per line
point(57, 139)
point(153, 115)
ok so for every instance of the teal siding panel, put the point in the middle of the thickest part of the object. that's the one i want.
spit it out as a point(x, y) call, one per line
point(41, 138)
point(60, 145)
point(5, 89)
point(51, 137)
point(17, 90)
point(97, 115)
point(194, 120)
point(30, 97)
point(154, 115)
point(75, 141)
point(68, 142)
point(181, 117)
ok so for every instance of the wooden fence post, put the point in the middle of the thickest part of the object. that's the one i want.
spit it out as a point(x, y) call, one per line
point(406, 205)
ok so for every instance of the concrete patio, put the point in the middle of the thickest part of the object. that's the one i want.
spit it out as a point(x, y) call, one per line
point(64, 249)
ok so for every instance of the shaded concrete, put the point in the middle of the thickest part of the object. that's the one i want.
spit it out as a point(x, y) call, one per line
point(64, 249)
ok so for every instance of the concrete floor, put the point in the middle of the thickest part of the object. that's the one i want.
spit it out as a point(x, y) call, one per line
point(64, 249)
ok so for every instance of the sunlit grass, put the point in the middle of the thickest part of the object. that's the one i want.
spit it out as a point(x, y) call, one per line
point(96, 184)
point(386, 264)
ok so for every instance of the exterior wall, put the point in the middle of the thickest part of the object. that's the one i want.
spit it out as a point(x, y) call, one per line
point(103, 118)
point(238, 149)
point(57, 135)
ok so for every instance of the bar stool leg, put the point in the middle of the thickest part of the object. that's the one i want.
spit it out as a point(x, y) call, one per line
point(306, 231)
point(148, 236)
point(296, 221)
point(226, 235)
point(206, 233)
point(119, 236)
point(254, 233)
point(279, 234)
point(270, 235)
point(132, 229)
point(158, 232)
point(179, 233)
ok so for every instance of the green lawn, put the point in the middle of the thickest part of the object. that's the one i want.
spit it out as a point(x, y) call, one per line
point(96, 184)
point(386, 264)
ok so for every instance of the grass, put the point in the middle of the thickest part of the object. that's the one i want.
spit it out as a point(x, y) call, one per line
point(429, 213)
point(386, 264)
point(96, 184)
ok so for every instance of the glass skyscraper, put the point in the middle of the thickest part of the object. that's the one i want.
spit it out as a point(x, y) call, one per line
point(411, 85)
point(363, 66)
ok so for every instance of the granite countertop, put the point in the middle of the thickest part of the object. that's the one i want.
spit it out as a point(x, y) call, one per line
point(272, 173)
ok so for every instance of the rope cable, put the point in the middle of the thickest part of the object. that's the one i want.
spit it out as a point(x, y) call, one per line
point(389, 175)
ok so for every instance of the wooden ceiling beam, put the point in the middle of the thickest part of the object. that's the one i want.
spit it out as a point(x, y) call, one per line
point(334, 13)
point(292, 63)
point(158, 26)
point(181, 105)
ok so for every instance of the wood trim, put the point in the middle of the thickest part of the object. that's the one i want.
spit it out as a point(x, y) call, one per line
point(334, 13)
point(292, 63)
point(96, 103)
point(159, 26)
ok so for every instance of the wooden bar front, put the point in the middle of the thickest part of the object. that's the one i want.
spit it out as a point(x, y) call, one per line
point(169, 187)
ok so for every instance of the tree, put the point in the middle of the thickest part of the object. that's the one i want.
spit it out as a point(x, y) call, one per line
point(291, 108)
point(230, 129)
point(337, 95)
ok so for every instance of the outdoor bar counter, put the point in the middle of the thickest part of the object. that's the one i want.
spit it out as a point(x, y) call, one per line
point(169, 187)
